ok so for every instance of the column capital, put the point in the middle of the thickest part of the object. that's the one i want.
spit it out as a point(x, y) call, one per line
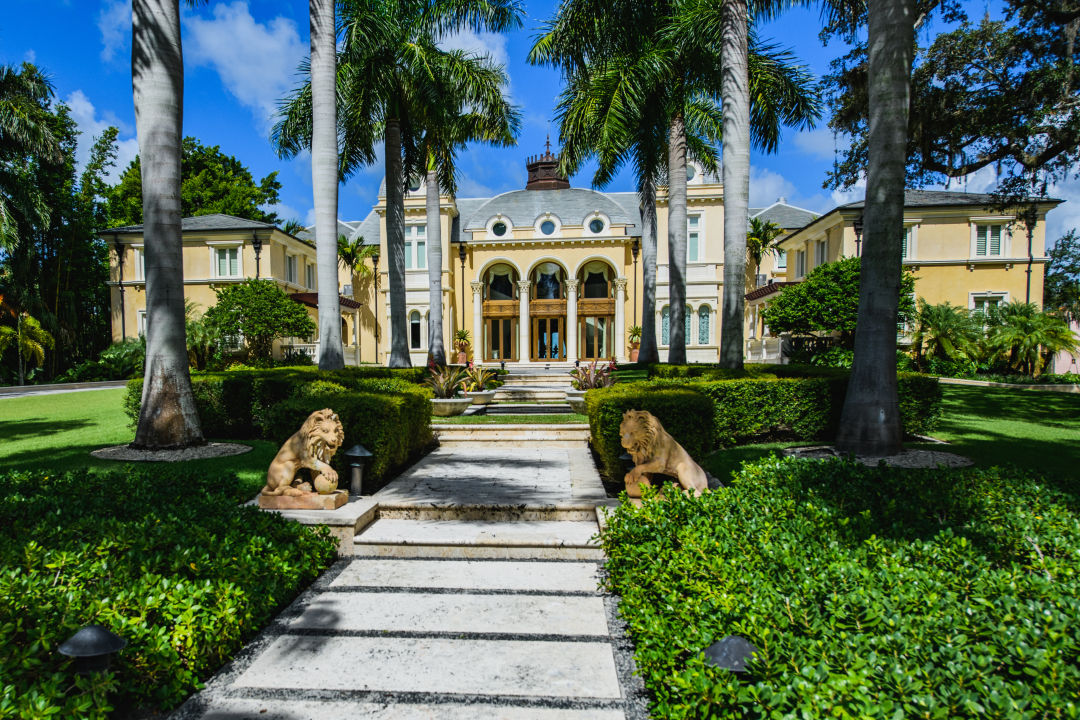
point(477, 286)
point(620, 284)
point(572, 285)
point(523, 285)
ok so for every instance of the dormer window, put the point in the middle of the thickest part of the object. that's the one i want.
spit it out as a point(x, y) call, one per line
point(547, 227)
point(596, 226)
point(498, 229)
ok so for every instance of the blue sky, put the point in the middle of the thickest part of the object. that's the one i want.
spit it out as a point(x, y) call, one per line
point(241, 56)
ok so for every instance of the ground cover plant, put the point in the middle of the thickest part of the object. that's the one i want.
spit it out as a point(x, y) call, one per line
point(870, 593)
point(179, 568)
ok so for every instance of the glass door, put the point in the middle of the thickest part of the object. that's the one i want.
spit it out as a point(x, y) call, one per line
point(501, 336)
point(595, 341)
point(548, 338)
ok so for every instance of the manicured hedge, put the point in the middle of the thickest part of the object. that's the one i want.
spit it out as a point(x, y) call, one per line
point(167, 559)
point(870, 592)
point(685, 413)
point(380, 408)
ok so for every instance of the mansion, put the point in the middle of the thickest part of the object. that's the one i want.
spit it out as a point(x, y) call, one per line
point(552, 274)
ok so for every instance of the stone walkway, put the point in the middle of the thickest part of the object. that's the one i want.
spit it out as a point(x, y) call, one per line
point(473, 593)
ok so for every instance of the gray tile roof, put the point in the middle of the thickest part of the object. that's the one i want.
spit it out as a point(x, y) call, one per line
point(941, 198)
point(786, 216)
point(200, 223)
point(571, 206)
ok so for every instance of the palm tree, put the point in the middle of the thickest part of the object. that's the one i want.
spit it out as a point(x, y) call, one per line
point(24, 131)
point(168, 417)
point(30, 341)
point(1021, 336)
point(353, 256)
point(632, 66)
point(760, 240)
point(292, 227)
point(324, 178)
point(944, 331)
point(390, 73)
point(870, 420)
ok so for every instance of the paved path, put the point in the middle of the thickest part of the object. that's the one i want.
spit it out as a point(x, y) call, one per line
point(473, 594)
point(24, 390)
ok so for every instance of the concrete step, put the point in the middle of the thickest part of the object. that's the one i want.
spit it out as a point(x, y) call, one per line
point(567, 540)
point(471, 575)
point(560, 435)
point(527, 409)
point(522, 394)
point(277, 709)
point(557, 379)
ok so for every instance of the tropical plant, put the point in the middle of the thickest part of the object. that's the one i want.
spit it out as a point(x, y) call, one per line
point(392, 77)
point(1022, 337)
point(29, 339)
point(945, 332)
point(203, 337)
point(168, 416)
point(462, 341)
point(634, 334)
point(259, 312)
point(591, 376)
point(446, 381)
point(292, 227)
point(354, 254)
point(760, 240)
point(478, 377)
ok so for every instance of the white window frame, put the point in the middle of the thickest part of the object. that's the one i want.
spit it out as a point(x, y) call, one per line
point(821, 252)
point(505, 221)
point(700, 231)
point(780, 259)
point(140, 322)
point(413, 256)
point(1001, 296)
point(215, 248)
point(1006, 236)
point(800, 264)
point(292, 262)
point(557, 233)
point(311, 275)
point(138, 262)
point(596, 215)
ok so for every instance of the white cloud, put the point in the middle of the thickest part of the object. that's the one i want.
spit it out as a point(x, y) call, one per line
point(91, 124)
point(309, 219)
point(480, 43)
point(256, 61)
point(283, 211)
point(819, 144)
point(767, 186)
point(30, 56)
point(114, 22)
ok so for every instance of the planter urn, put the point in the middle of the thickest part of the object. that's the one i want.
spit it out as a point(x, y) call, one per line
point(481, 397)
point(450, 406)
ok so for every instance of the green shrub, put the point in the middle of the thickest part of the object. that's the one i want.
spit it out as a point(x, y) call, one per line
point(870, 593)
point(685, 413)
point(395, 427)
point(177, 567)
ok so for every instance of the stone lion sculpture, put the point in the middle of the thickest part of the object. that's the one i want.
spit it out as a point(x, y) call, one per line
point(310, 447)
point(654, 451)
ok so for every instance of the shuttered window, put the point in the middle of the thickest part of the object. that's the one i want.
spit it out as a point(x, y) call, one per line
point(988, 240)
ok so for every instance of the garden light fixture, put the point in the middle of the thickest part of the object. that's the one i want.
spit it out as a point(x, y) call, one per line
point(357, 456)
point(731, 653)
point(256, 244)
point(857, 226)
point(92, 647)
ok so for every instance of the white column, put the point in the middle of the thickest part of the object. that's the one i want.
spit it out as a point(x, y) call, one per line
point(356, 334)
point(620, 319)
point(571, 328)
point(477, 320)
point(523, 320)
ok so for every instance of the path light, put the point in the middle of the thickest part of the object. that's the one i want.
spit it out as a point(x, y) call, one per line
point(731, 653)
point(357, 457)
point(92, 647)
point(857, 226)
point(627, 461)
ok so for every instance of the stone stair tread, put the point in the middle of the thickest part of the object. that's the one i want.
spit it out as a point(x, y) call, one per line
point(277, 709)
point(535, 533)
point(468, 575)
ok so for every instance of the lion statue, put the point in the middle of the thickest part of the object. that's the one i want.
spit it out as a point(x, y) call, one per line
point(654, 451)
point(310, 447)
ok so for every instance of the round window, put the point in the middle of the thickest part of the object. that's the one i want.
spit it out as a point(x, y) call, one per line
point(596, 226)
point(414, 184)
point(498, 229)
point(547, 227)
point(691, 172)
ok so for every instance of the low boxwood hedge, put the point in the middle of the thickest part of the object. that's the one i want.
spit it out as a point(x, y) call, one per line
point(870, 593)
point(383, 409)
point(685, 413)
point(167, 559)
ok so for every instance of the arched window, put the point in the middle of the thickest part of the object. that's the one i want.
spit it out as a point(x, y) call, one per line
point(596, 276)
point(547, 281)
point(687, 314)
point(704, 312)
point(665, 326)
point(500, 280)
point(414, 330)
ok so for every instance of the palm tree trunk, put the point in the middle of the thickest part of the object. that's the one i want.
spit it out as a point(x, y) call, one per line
point(736, 153)
point(648, 352)
point(19, 348)
point(436, 346)
point(870, 421)
point(395, 246)
point(324, 179)
point(168, 417)
point(677, 240)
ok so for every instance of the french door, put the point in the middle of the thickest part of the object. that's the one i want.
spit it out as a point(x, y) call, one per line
point(548, 339)
point(596, 337)
point(501, 339)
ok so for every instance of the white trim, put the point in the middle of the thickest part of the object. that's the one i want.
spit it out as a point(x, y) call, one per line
point(591, 258)
point(701, 255)
point(557, 232)
point(503, 219)
point(1006, 236)
point(912, 226)
point(596, 215)
point(215, 248)
point(1002, 296)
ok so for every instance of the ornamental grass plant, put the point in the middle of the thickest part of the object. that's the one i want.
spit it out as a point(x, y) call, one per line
point(870, 593)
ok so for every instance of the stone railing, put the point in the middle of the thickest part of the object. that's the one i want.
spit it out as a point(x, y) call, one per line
point(765, 350)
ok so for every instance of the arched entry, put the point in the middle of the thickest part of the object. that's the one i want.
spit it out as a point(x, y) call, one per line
point(596, 311)
point(547, 312)
point(500, 310)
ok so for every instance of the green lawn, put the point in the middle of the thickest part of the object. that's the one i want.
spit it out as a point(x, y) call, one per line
point(511, 419)
point(1031, 429)
point(59, 431)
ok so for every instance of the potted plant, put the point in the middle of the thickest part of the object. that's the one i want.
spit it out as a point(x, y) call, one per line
point(446, 383)
point(587, 377)
point(635, 341)
point(462, 342)
point(480, 384)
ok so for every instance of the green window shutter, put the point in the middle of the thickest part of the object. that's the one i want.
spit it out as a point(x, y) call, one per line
point(980, 240)
point(905, 243)
point(995, 240)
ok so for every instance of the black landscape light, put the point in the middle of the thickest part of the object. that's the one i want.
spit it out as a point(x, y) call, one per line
point(257, 245)
point(731, 653)
point(627, 461)
point(502, 364)
point(357, 457)
point(857, 226)
point(92, 647)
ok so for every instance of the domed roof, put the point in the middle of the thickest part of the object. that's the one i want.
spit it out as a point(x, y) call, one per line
point(571, 206)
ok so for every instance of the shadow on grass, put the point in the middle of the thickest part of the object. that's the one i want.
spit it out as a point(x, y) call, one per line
point(1059, 410)
point(12, 430)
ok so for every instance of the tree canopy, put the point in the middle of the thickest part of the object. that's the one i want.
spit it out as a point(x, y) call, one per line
point(259, 312)
point(1061, 292)
point(212, 182)
point(827, 301)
